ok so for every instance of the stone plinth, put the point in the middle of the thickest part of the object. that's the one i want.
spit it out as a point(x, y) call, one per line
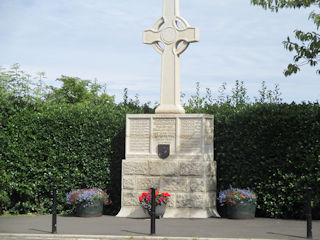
point(188, 174)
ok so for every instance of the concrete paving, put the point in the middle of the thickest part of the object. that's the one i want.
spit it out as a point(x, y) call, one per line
point(110, 227)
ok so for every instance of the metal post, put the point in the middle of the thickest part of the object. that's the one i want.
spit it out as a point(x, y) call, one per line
point(54, 211)
point(153, 211)
point(309, 214)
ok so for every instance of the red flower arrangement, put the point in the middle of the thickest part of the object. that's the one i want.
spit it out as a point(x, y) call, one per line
point(161, 198)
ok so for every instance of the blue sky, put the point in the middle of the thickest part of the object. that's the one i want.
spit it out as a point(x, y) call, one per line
point(102, 39)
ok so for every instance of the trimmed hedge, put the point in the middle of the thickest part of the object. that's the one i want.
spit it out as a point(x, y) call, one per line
point(272, 148)
point(66, 146)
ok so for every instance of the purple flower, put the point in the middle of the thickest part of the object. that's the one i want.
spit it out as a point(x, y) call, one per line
point(233, 196)
point(87, 197)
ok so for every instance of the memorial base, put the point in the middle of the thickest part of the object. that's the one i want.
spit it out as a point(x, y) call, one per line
point(188, 174)
point(137, 212)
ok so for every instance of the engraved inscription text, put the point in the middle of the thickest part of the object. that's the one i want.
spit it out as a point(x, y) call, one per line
point(139, 136)
point(164, 132)
point(190, 135)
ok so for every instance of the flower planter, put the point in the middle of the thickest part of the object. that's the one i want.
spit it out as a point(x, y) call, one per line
point(88, 201)
point(159, 211)
point(95, 210)
point(161, 200)
point(238, 203)
point(241, 211)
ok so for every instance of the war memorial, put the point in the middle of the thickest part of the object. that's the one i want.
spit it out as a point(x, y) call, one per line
point(170, 150)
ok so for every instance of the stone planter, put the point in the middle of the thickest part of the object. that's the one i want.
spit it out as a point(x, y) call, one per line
point(241, 211)
point(160, 210)
point(94, 210)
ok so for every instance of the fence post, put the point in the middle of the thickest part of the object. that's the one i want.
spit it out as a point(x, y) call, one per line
point(54, 211)
point(153, 212)
point(309, 214)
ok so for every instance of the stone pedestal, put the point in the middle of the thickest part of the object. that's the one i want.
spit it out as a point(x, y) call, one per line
point(188, 174)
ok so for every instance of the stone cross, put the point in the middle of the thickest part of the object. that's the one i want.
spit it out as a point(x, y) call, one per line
point(170, 36)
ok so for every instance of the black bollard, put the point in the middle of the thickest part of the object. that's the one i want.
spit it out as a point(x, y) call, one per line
point(309, 214)
point(54, 211)
point(153, 211)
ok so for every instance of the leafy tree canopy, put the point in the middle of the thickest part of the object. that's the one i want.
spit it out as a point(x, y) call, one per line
point(307, 48)
point(76, 90)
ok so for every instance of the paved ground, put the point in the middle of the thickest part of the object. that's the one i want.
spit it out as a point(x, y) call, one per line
point(109, 227)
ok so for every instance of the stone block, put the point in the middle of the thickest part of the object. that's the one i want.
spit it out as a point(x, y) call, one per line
point(134, 167)
point(129, 182)
point(172, 201)
point(211, 184)
point(179, 184)
point(213, 169)
point(163, 168)
point(208, 156)
point(212, 199)
point(198, 185)
point(170, 169)
point(155, 168)
point(190, 168)
point(199, 200)
point(183, 200)
point(148, 182)
point(191, 200)
point(130, 198)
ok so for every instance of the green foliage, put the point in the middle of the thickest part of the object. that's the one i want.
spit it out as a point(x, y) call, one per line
point(274, 5)
point(306, 53)
point(269, 96)
point(239, 98)
point(76, 140)
point(4, 196)
point(14, 82)
point(308, 49)
point(68, 138)
point(269, 146)
point(239, 94)
point(75, 90)
point(275, 150)
point(66, 146)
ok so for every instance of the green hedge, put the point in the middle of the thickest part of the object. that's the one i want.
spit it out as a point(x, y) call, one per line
point(273, 149)
point(66, 146)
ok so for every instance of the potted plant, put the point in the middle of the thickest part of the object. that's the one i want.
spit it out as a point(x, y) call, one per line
point(239, 203)
point(89, 201)
point(161, 202)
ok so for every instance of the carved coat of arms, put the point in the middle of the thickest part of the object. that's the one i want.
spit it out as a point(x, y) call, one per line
point(163, 150)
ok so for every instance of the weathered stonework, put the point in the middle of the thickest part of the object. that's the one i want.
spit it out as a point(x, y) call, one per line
point(175, 184)
point(188, 174)
point(129, 182)
point(191, 168)
point(134, 168)
point(163, 168)
point(148, 182)
point(198, 185)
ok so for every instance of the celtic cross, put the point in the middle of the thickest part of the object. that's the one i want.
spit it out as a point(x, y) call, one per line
point(170, 36)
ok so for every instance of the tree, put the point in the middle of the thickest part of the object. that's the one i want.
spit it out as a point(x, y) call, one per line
point(14, 82)
point(75, 90)
point(239, 94)
point(269, 95)
point(307, 49)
